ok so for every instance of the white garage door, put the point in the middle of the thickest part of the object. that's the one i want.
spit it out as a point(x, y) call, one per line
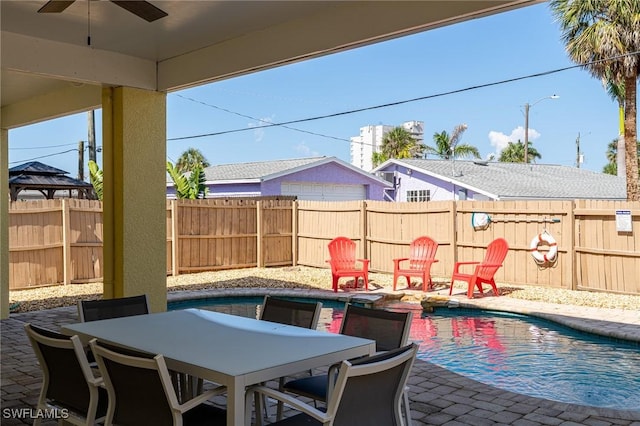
point(324, 192)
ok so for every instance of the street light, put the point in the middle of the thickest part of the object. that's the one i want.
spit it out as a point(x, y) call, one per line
point(527, 106)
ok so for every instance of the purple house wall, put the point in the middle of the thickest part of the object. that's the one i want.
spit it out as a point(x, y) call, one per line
point(330, 173)
point(408, 180)
point(321, 178)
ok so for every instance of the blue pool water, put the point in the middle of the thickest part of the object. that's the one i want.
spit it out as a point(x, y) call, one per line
point(518, 353)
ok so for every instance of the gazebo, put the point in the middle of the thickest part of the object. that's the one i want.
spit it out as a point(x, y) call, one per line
point(36, 176)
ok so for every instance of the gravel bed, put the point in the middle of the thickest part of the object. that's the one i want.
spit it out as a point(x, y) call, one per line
point(302, 277)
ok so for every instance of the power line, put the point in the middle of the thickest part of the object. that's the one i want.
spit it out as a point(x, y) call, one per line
point(44, 156)
point(43, 147)
point(261, 120)
point(390, 104)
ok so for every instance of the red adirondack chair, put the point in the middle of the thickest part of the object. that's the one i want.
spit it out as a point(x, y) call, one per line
point(485, 270)
point(342, 251)
point(422, 253)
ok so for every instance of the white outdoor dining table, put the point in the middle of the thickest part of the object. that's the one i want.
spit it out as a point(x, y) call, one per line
point(227, 349)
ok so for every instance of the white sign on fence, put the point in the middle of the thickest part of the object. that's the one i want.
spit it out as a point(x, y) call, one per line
point(623, 221)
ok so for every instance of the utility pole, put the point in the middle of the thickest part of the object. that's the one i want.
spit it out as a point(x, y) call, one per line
point(578, 151)
point(528, 106)
point(92, 134)
point(526, 132)
point(81, 160)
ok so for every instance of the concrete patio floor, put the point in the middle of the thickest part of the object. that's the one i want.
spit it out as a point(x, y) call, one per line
point(438, 396)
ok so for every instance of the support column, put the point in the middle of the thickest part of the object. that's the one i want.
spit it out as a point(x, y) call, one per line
point(4, 223)
point(134, 194)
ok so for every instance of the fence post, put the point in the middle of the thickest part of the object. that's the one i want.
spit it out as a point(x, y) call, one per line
point(259, 227)
point(174, 239)
point(571, 252)
point(294, 232)
point(66, 242)
point(453, 231)
point(363, 229)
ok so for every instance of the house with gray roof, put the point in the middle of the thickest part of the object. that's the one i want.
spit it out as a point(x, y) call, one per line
point(315, 178)
point(435, 180)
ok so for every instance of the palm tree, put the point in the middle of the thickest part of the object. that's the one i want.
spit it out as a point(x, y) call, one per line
point(191, 158)
point(611, 168)
point(378, 158)
point(616, 92)
point(449, 146)
point(514, 153)
point(399, 143)
point(602, 36)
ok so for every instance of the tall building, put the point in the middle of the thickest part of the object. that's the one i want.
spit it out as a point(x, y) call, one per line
point(370, 140)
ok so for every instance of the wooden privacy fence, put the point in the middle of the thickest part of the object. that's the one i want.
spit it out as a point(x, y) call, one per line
point(214, 234)
point(60, 241)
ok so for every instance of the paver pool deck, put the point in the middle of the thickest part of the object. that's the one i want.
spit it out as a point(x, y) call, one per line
point(438, 396)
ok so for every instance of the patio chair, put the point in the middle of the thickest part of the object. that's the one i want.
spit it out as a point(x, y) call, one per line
point(342, 252)
point(367, 391)
point(422, 253)
point(141, 392)
point(93, 310)
point(484, 271)
point(290, 312)
point(389, 329)
point(68, 382)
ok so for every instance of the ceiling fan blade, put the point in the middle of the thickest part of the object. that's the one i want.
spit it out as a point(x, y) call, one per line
point(143, 9)
point(55, 6)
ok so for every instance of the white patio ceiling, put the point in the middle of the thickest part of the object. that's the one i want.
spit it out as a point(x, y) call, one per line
point(49, 70)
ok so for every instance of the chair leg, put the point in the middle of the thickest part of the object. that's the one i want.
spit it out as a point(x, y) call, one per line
point(472, 284)
point(257, 401)
point(366, 282)
point(495, 288)
point(407, 408)
point(335, 283)
point(451, 287)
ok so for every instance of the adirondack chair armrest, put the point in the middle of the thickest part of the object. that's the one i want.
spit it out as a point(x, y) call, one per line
point(330, 264)
point(365, 262)
point(458, 264)
point(396, 262)
point(490, 265)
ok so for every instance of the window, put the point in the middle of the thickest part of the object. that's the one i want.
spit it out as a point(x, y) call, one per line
point(419, 195)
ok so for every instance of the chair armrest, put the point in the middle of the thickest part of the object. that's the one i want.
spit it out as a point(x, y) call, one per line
point(458, 264)
point(97, 382)
point(199, 399)
point(291, 401)
point(365, 262)
point(396, 262)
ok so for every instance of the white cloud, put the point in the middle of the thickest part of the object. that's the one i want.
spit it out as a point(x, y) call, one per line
point(500, 140)
point(303, 149)
point(258, 133)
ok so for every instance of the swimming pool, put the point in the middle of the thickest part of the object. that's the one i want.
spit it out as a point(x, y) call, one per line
point(518, 353)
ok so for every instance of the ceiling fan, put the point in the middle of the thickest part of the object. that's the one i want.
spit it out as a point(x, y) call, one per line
point(143, 9)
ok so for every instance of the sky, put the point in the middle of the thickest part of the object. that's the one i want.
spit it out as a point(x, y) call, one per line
point(480, 73)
